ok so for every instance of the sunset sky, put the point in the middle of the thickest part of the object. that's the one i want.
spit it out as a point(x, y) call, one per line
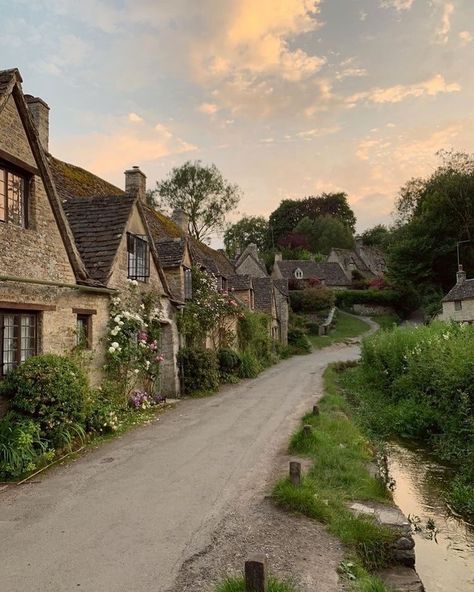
point(288, 98)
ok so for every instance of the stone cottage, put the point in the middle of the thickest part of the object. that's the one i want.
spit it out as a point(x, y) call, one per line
point(458, 304)
point(366, 261)
point(301, 273)
point(70, 241)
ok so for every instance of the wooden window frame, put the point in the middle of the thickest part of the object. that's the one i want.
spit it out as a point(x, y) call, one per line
point(17, 335)
point(134, 240)
point(87, 317)
point(7, 168)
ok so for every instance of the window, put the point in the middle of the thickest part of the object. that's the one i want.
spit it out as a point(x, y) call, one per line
point(18, 339)
point(138, 257)
point(188, 284)
point(84, 331)
point(13, 188)
point(298, 274)
point(458, 305)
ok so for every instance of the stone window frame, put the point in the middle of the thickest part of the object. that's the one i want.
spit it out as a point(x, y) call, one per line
point(17, 337)
point(458, 305)
point(138, 257)
point(298, 273)
point(7, 169)
point(188, 283)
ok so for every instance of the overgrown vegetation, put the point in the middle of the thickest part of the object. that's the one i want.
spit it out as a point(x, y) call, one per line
point(200, 370)
point(419, 383)
point(238, 585)
point(339, 475)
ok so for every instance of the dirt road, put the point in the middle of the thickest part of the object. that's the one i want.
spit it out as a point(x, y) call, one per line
point(128, 515)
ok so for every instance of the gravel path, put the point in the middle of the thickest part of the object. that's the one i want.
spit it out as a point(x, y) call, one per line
point(172, 505)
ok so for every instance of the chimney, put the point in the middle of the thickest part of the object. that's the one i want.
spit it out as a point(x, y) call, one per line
point(39, 111)
point(460, 276)
point(135, 182)
point(278, 256)
point(181, 219)
point(252, 248)
point(359, 242)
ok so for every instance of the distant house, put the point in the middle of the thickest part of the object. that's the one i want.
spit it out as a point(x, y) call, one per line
point(304, 273)
point(369, 262)
point(458, 304)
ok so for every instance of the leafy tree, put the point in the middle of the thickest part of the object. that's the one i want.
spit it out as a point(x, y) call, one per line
point(378, 236)
point(290, 212)
point(325, 233)
point(250, 229)
point(432, 215)
point(202, 193)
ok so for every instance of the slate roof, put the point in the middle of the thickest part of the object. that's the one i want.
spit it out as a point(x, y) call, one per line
point(463, 291)
point(171, 252)
point(239, 282)
point(263, 289)
point(7, 78)
point(98, 224)
point(331, 273)
point(347, 256)
point(282, 286)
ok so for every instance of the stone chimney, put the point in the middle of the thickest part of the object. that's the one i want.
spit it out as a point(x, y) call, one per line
point(181, 219)
point(359, 243)
point(252, 248)
point(135, 182)
point(278, 256)
point(460, 276)
point(39, 111)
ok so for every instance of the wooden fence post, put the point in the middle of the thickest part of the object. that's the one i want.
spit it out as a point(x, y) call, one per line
point(256, 576)
point(295, 472)
point(315, 409)
point(307, 430)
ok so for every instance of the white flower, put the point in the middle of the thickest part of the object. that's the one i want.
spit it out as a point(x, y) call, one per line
point(117, 319)
point(111, 350)
point(136, 370)
point(142, 306)
point(115, 345)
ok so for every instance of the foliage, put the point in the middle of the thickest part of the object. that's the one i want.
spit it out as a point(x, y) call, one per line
point(202, 193)
point(325, 233)
point(134, 331)
point(209, 314)
point(250, 367)
point(418, 383)
point(377, 236)
point(238, 585)
point(433, 214)
point(290, 212)
point(347, 298)
point(254, 338)
point(53, 391)
point(338, 475)
point(200, 370)
point(298, 341)
point(21, 445)
point(311, 300)
point(248, 230)
point(346, 327)
point(229, 364)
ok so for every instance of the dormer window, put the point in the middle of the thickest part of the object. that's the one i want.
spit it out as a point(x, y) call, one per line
point(13, 194)
point(138, 257)
point(298, 274)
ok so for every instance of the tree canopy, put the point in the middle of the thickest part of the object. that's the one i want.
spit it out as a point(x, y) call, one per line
point(377, 236)
point(202, 193)
point(324, 233)
point(249, 229)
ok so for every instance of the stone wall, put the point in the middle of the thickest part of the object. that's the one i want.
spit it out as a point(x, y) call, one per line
point(372, 309)
point(466, 314)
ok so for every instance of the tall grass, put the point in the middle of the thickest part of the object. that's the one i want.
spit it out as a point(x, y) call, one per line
point(238, 585)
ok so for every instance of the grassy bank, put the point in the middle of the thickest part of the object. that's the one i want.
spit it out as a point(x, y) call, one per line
point(238, 585)
point(418, 383)
point(347, 327)
point(339, 475)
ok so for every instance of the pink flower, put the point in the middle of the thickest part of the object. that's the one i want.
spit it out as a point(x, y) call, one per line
point(142, 336)
point(159, 358)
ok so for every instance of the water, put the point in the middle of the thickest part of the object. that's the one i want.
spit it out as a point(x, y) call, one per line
point(446, 562)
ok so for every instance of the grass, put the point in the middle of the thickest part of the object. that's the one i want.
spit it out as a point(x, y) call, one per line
point(347, 327)
point(387, 321)
point(238, 585)
point(338, 476)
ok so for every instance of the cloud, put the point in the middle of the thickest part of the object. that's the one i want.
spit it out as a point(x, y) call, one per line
point(135, 118)
point(465, 37)
point(318, 132)
point(444, 28)
point(208, 108)
point(400, 92)
point(398, 5)
point(71, 51)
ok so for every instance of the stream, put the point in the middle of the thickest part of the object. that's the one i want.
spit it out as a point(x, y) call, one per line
point(445, 555)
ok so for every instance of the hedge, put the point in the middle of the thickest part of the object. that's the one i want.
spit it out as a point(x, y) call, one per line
point(347, 298)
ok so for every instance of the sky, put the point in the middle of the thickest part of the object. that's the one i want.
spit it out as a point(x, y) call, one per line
point(288, 98)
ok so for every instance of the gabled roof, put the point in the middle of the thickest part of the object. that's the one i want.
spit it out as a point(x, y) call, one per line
point(251, 252)
point(239, 282)
point(171, 252)
point(10, 85)
point(282, 286)
point(215, 261)
point(263, 289)
point(463, 291)
point(99, 223)
point(348, 257)
point(331, 273)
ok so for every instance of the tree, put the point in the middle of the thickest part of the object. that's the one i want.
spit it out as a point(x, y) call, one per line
point(433, 214)
point(250, 229)
point(202, 193)
point(325, 233)
point(290, 212)
point(378, 236)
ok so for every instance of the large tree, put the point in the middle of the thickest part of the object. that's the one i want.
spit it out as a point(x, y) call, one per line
point(324, 233)
point(433, 214)
point(249, 229)
point(202, 193)
point(290, 212)
point(377, 236)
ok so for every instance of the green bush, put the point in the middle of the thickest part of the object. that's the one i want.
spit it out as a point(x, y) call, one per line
point(253, 332)
point(21, 445)
point(312, 328)
point(250, 366)
point(53, 391)
point(298, 341)
point(200, 370)
point(347, 298)
point(311, 300)
point(229, 364)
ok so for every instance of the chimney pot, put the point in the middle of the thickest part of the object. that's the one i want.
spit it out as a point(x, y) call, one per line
point(461, 275)
point(135, 182)
point(39, 111)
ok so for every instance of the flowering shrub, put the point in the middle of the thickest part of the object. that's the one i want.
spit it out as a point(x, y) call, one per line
point(211, 313)
point(133, 342)
point(200, 370)
point(143, 400)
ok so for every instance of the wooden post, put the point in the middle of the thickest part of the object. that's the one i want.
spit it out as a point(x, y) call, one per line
point(307, 430)
point(256, 577)
point(295, 473)
point(315, 409)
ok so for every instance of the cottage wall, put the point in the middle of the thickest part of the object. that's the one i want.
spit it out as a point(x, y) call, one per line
point(466, 314)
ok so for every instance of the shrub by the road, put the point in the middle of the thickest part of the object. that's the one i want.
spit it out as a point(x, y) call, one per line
point(200, 370)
